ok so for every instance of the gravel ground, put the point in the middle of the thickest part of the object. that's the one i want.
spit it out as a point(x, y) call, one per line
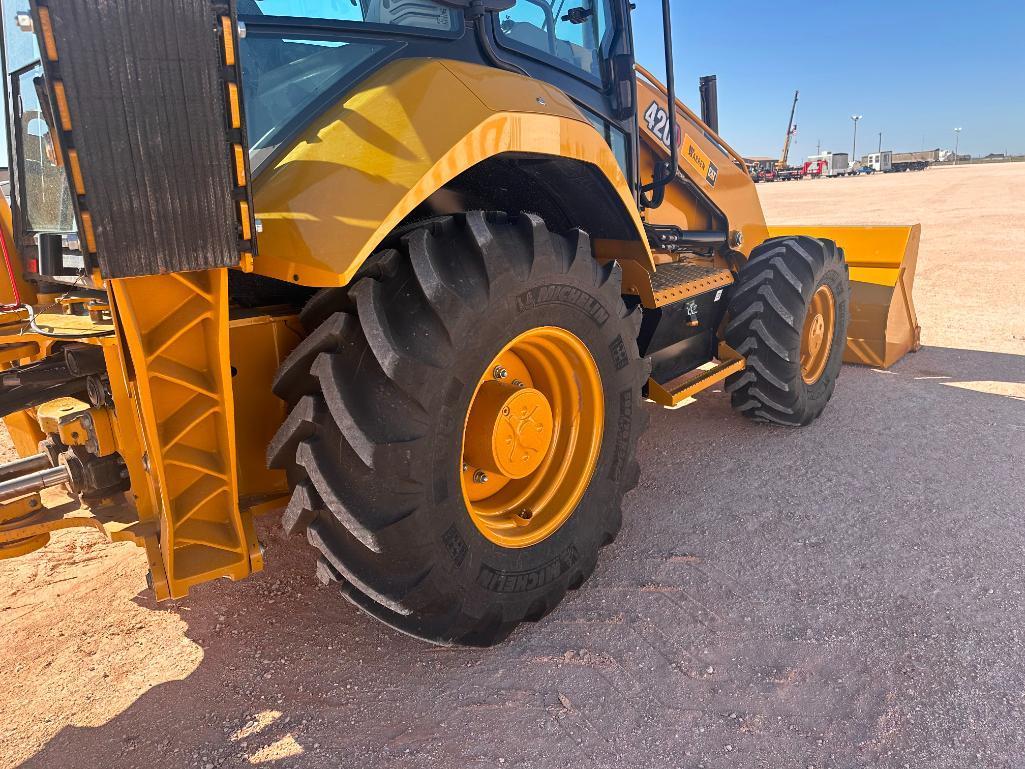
point(845, 595)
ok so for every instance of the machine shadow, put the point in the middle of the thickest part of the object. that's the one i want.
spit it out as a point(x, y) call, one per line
point(293, 676)
point(965, 365)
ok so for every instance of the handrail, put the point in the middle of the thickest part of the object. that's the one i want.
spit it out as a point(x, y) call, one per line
point(667, 171)
point(690, 115)
point(546, 9)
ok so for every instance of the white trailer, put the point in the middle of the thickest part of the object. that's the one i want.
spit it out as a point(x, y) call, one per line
point(836, 163)
point(880, 161)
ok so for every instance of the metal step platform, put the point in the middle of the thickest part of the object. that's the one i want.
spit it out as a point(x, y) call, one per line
point(677, 281)
point(679, 390)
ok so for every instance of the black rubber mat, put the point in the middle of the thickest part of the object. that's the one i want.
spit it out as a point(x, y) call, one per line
point(146, 100)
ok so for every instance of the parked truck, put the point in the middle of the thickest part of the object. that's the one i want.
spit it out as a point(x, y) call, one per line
point(916, 161)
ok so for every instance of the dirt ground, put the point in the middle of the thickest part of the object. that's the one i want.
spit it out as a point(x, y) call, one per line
point(846, 595)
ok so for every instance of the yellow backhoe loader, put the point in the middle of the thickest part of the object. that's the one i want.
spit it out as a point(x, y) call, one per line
point(412, 271)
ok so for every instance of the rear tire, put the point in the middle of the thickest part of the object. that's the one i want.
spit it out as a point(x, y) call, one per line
point(380, 390)
point(768, 310)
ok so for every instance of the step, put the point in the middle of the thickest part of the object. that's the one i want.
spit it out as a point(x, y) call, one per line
point(677, 281)
point(676, 391)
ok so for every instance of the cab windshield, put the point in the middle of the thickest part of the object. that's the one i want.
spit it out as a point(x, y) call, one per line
point(569, 33)
point(299, 56)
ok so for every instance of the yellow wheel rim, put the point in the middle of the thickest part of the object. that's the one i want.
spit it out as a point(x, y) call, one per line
point(817, 335)
point(531, 437)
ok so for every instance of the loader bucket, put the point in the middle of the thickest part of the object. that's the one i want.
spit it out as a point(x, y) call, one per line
point(882, 262)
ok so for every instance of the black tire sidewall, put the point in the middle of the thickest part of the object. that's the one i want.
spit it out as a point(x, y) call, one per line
point(768, 313)
point(816, 394)
point(487, 573)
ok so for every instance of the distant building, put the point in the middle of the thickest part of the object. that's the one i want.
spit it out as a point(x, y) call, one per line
point(761, 163)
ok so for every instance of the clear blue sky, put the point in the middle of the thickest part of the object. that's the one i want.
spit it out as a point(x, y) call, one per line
point(915, 70)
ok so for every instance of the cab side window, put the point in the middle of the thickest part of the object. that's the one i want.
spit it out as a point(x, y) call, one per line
point(571, 31)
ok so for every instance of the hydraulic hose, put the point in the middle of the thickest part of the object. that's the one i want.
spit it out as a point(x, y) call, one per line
point(20, 398)
point(476, 11)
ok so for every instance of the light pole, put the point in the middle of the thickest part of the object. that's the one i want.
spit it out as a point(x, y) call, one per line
point(854, 147)
point(880, 150)
point(957, 138)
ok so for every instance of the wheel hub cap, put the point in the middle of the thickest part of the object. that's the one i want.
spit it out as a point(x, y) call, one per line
point(818, 327)
point(509, 429)
point(817, 335)
point(532, 437)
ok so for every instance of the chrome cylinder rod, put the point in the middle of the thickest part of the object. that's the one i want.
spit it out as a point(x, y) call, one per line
point(37, 481)
point(24, 465)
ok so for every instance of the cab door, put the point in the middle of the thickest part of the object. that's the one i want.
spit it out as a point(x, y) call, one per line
point(584, 48)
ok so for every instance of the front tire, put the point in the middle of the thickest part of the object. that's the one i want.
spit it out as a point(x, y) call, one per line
point(381, 390)
point(788, 317)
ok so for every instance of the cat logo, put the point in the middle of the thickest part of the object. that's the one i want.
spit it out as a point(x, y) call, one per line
point(658, 124)
point(694, 155)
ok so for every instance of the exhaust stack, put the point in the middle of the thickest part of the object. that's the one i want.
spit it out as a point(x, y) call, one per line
point(709, 102)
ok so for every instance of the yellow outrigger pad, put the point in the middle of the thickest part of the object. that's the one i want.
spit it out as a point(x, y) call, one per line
point(882, 261)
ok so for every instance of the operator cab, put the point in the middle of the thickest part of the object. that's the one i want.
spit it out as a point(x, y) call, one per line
point(301, 57)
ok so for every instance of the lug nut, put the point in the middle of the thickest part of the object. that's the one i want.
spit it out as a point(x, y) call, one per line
point(526, 514)
point(499, 372)
point(480, 477)
point(517, 383)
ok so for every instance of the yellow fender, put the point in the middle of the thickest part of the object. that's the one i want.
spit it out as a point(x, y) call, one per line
point(412, 127)
point(882, 260)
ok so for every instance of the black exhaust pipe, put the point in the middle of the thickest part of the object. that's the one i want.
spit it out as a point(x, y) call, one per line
point(709, 102)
